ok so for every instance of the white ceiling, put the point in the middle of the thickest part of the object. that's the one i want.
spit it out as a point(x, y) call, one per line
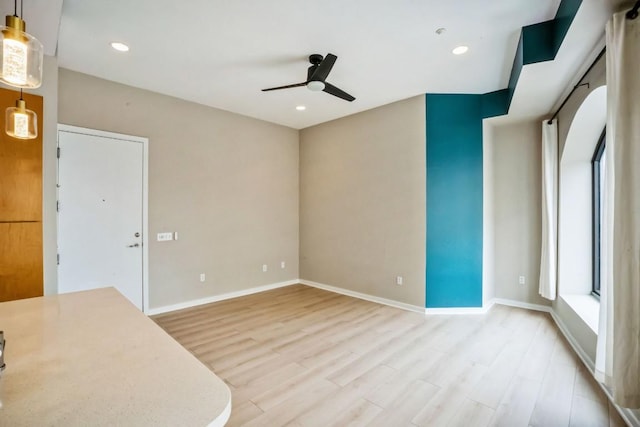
point(221, 52)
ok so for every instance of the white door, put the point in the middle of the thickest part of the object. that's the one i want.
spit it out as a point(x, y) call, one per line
point(100, 213)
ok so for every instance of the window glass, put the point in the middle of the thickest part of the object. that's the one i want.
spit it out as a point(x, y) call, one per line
point(598, 186)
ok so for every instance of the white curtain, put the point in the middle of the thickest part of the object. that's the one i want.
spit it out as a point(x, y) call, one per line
point(548, 255)
point(619, 335)
point(604, 351)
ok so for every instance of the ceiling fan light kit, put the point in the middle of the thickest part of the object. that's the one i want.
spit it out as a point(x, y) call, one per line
point(317, 78)
point(315, 86)
point(21, 59)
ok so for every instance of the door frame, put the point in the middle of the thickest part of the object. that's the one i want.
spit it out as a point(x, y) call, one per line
point(145, 194)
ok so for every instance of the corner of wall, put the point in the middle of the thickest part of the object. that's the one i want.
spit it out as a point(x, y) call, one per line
point(488, 220)
point(49, 92)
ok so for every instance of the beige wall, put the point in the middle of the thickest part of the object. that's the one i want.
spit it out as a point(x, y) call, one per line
point(363, 202)
point(226, 183)
point(516, 187)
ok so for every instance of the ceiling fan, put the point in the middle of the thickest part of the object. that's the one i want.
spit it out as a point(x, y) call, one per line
point(317, 76)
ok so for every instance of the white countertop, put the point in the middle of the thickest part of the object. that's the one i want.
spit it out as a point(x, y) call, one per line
point(92, 358)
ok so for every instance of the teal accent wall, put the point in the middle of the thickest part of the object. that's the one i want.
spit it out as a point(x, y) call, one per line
point(454, 200)
point(564, 17)
point(454, 169)
point(496, 103)
point(538, 42)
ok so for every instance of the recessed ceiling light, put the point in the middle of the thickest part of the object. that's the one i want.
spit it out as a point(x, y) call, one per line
point(301, 108)
point(460, 50)
point(120, 47)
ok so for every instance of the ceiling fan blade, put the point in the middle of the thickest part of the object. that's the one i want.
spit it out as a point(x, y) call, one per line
point(310, 72)
point(332, 90)
point(324, 68)
point(285, 87)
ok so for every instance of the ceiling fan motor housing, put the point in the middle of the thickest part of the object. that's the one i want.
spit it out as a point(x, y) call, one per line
point(315, 59)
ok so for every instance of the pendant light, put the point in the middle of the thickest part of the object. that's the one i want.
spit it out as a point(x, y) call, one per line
point(20, 122)
point(21, 56)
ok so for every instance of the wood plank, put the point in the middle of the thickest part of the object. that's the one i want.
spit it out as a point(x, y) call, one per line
point(588, 413)
point(243, 413)
point(450, 400)
point(335, 405)
point(517, 406)
point(359, 414)
point(537, 359)
point(472, 414)
point(385, 393)
point(496, 381)
point(587, 387)
point(553, 407)
point(268, 380)
point(21, 266)
point(297, 384)
point(407, 404)
point(298, 403)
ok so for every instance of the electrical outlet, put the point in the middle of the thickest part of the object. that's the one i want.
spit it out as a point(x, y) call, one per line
point(399, 280)
point(282, 264)
point(521, 280)
point(202, 277)
point(264, 268)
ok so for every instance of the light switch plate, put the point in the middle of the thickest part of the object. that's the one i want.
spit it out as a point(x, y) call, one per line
point(164, 237)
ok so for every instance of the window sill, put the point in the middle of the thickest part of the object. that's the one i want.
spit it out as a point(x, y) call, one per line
point(587, 307)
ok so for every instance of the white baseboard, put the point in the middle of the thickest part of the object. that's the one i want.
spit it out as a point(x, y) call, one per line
point(397, 304)
point(459, 310)
point(520, 304)
point(628, 416)
point(366, 297)
point(222, 297)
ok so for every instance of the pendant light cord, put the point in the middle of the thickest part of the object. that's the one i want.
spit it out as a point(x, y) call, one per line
point(21, 95)
point(15, 8)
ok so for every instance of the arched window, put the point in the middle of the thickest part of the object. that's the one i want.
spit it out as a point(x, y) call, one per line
point(577, 271)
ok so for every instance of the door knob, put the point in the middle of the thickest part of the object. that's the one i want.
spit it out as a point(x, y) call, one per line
point(137, 234)
point(135, 245)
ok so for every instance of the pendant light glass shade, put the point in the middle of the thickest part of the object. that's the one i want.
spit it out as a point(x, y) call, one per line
point(21, 123)
point(21, 56)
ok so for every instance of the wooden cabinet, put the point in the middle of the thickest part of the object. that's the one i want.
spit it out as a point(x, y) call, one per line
point(20, 206)
point(20, 260)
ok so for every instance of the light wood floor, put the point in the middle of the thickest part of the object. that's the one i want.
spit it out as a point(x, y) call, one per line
point(301, 356)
